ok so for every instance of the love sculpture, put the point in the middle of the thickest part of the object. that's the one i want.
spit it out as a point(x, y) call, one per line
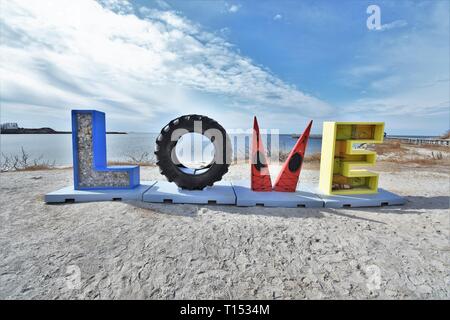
point(341, 184)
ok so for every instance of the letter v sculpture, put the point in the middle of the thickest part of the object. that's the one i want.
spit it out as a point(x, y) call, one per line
point(288, 177)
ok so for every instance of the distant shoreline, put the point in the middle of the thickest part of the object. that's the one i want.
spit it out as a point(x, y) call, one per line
point(44, 131)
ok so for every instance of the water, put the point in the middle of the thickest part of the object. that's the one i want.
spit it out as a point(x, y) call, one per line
point(58, 147)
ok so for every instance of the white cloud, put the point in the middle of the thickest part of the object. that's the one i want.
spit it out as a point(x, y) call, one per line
point(58, 55)
point(162, 4)
point(418, 112)
point(360, 71)
point(393, 25)
point(278, 17)
point(420, 102)
point(233, 7)
point(119, 6)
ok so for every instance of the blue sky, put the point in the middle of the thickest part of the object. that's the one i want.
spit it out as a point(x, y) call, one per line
point(146, 62)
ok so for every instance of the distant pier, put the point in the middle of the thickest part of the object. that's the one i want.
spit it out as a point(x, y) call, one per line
point(410, 140)
point(419, 141)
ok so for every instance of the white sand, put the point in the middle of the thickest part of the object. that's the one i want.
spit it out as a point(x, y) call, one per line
point(135, 250)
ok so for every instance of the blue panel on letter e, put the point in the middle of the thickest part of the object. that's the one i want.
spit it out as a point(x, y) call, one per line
point(89, 155)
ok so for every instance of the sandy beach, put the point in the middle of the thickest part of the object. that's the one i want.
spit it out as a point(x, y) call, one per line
point(131, 250)
point(175, 90)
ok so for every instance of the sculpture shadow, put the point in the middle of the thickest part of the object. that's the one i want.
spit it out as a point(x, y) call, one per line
point(185, 210)
point(193, 210)
point(414, 205)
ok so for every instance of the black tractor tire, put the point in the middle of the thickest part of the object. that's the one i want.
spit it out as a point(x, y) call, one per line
point(172, 170)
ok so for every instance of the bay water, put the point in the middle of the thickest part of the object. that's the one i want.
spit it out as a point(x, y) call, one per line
point(57, 148)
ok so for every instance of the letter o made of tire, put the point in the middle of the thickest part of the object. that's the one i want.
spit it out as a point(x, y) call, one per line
point(176, 172)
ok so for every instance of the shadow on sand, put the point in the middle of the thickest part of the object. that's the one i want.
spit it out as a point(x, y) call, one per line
point(414, 205)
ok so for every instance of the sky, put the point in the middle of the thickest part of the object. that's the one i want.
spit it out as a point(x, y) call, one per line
point(149, 61)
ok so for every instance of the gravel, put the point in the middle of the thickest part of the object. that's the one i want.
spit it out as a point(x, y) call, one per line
point(87, 176)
